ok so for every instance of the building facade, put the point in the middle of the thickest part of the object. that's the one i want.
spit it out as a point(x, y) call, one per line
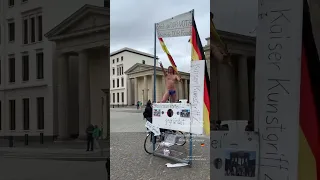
point(120, 62)
point(29, 87)
point(140, 84)
point(232, 85)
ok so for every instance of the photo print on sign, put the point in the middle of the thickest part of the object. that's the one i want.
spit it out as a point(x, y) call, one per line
point(185, 113)
point(240, 163)
point(157, 112)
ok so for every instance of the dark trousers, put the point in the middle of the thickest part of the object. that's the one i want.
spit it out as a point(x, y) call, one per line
point(89, 143)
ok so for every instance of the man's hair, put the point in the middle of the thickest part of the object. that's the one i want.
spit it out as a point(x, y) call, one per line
point(172, 69)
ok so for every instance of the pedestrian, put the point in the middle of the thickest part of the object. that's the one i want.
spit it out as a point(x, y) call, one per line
point(137, 104)
point(148, 112)
point(89, 132)
point(96, 135)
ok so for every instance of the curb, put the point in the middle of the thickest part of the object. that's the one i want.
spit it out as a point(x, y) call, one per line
point(90, 159)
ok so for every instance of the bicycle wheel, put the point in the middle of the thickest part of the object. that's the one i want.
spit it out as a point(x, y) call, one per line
point(148, 146)
point(181, 138)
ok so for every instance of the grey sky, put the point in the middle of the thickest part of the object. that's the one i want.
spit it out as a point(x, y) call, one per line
point(238, 16)
point(132, 25)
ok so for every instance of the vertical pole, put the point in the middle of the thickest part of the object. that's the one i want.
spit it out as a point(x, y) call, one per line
point(154, 78)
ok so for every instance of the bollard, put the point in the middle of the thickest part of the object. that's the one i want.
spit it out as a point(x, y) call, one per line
point(10, 141)
point(41, 138)
point(26, 138)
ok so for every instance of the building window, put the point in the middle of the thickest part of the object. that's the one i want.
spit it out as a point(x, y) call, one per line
point(143, 62)
point(39, 28)
point(122, 97)
point(40, 112)
point(0, 116)
point(12, 69)
point(33, 29)
point(113, 61)
point(40, 72)
point(26, 115)
point(122, 69)
point(25, 67)
point(113, 83)
point(117, 82)
point(122, 82)
point(117, 71)
point(117, 59)
point(113, 97)
point(10, 3)
point(121, 58)
point(117, 97)
point(25, 32)
point(113, 71)
point(12, 114)
point(11, 31)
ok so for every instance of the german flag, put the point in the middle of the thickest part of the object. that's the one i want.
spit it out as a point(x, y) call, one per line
point(309, 141)
point(197, 53)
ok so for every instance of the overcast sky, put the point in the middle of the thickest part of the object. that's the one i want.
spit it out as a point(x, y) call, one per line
point(238, 16)
point(132, 25)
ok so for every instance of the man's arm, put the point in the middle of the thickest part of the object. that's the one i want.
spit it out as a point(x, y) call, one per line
point(164, 72)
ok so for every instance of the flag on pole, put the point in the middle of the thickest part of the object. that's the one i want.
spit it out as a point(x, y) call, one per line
point(165, 49)
point(197, 53)
point(309, 137)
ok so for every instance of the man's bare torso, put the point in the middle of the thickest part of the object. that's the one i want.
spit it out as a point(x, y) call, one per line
point(170, 81)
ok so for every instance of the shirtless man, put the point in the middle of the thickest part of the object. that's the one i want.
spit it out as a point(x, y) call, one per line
point(171, 78)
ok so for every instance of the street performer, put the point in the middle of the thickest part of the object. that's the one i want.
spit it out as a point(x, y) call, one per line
point(170, 80)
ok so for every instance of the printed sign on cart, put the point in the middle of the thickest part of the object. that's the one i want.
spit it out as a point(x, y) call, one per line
point(174, 116)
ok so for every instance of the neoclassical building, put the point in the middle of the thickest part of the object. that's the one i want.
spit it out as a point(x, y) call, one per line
point(54, 68)
point(140, 84)
point(232, 86)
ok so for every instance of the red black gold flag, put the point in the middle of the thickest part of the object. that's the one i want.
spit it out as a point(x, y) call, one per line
point(309, 141)
point(197, 53)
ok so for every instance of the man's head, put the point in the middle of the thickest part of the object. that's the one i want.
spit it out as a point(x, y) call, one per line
point(170, 70)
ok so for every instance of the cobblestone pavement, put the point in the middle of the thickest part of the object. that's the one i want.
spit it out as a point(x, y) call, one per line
point(129, 160)
point(32, 169)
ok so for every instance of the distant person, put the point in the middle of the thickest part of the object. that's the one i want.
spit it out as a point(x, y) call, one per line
point(89, 132)
point(250, 126)
point(96, 135)
point(148, 112)
point(138, 103)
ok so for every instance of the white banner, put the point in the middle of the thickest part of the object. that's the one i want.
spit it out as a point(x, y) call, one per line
point(179, 25)
point(196, 95)
point(277, 87)
point(174, 116)
point(153, 128)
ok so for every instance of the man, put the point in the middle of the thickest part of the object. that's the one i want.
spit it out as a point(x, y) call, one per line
point(89, 132)
point(148, 112)
point(170, 78)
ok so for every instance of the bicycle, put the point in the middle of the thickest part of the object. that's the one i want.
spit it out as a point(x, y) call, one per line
point(179, 141)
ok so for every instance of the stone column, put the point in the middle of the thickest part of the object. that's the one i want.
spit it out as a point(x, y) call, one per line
point(180, 90)
point(135, 90)
point(129, 92)
point(145, 93)
point(243, 92)
point(186, 89)
point(227, 92)
point(164, 88)
point(63, 96)
point(84, 93)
